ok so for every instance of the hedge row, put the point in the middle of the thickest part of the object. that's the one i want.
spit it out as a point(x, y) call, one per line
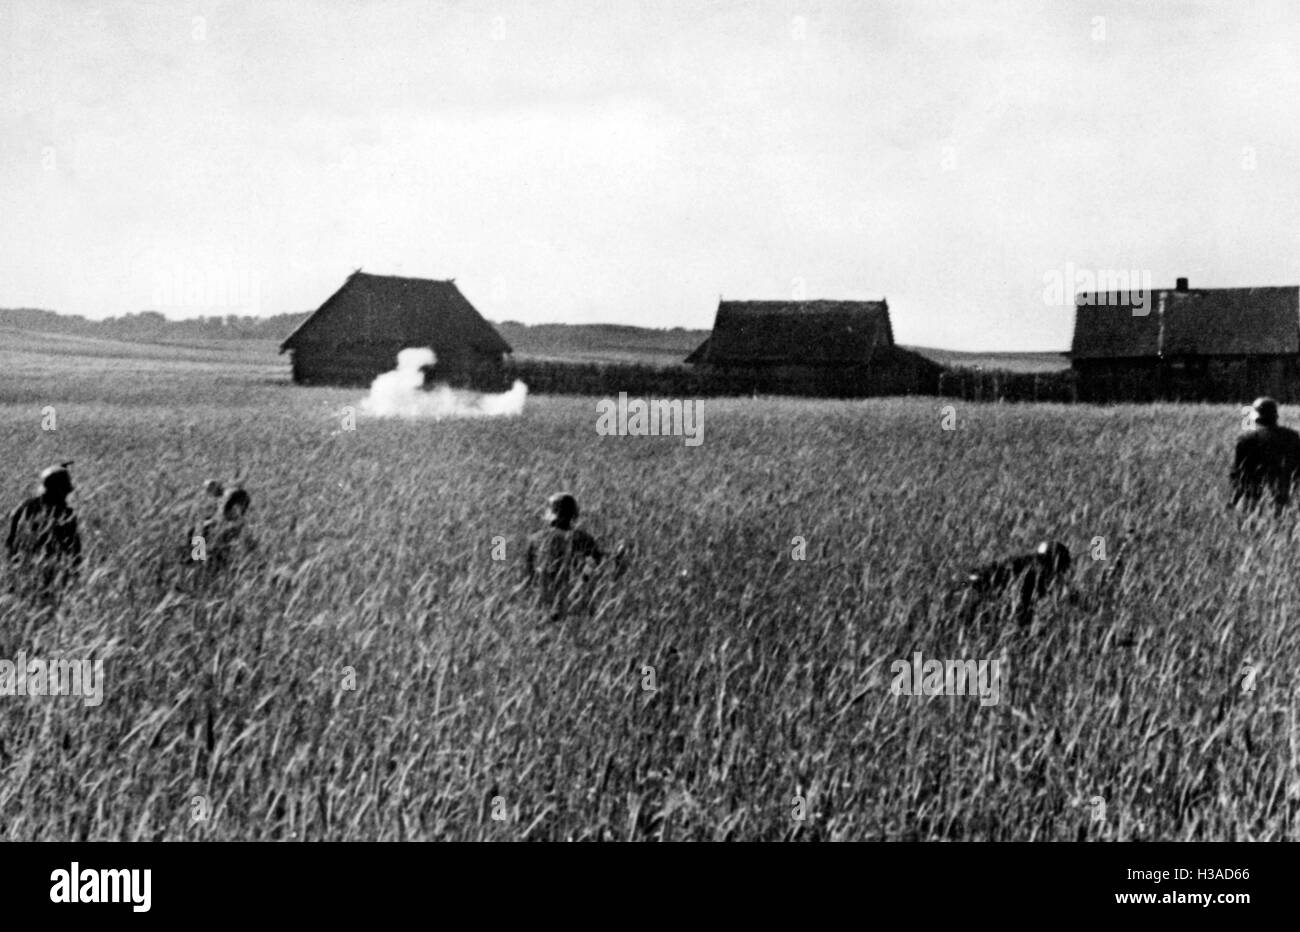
point(550, 377)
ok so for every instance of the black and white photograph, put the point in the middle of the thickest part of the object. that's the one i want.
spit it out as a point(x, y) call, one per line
point(431, 424)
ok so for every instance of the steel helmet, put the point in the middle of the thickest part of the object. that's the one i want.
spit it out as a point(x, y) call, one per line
point(1265, 409)
point(57, 479)
point(562, 507)
point(235, 497)
point(1054, 555)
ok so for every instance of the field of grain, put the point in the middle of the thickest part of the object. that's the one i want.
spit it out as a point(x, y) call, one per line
point(376, 680)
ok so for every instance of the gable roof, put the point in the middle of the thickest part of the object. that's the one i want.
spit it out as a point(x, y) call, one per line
point(1196, 322)
point(701, 352)
point(796, 332)
point(413, 311)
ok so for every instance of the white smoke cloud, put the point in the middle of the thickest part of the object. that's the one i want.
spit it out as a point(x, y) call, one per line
point(401, 393)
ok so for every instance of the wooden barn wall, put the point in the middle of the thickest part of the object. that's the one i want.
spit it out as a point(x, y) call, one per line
point(359, 362)
point(885, 376)
point(1207, 378)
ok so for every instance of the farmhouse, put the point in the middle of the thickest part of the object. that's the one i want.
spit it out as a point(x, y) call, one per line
point(356, 334)
point(1203, 344)
point(840, 348)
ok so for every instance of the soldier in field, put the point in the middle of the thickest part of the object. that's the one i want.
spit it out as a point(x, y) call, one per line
point(222, 540)
point(44, 543)
point(1267, 459)
point(1022, 580)
point(560, 559)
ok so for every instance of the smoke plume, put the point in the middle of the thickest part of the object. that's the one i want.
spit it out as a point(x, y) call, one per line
point(401, 393)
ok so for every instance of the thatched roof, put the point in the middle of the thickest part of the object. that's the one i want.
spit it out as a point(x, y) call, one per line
point(1195, 322)
point(796, 333)
point(412, 311)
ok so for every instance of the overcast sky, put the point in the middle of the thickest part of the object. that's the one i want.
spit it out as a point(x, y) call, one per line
point(630, 162)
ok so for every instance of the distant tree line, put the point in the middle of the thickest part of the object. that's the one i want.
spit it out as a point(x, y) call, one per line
point(532, 338)
point(151, 325)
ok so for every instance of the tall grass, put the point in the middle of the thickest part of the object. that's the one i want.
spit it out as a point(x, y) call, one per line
point(772, 673)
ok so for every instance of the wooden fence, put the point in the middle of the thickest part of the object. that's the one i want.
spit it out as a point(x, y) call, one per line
point(999, 385)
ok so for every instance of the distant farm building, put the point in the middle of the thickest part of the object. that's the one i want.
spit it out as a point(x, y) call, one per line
point(1202, 344)
point(356, 334)
point(837, 348)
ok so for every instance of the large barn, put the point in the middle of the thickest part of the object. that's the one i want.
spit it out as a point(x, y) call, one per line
point(838, 348)
point(356, 334)
point(1191, 344)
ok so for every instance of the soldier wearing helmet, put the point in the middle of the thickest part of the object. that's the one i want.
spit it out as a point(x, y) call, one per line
point(44, 544)
point(1267, 459)
point(220, 540)
point(1025, 579)
point(560, 558)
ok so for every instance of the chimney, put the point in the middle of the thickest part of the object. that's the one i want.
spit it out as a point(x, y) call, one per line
point(1181, 285)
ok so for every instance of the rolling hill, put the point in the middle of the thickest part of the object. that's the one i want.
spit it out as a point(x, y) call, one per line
point(61, 334)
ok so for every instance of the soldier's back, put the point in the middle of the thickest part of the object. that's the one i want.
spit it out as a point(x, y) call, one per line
point(216, 545)
point(44, 546)
point(996, 577)
point(556, 560)
point(1289, 442)
point(45, 529)
point(1269, 454)
point(557, 550)
point(1265, 444)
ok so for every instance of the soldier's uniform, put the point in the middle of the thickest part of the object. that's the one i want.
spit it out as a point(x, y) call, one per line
point(559, 559)
point(219, 542)
point(44, 543)
point(1267, 460)
point(1022, 579)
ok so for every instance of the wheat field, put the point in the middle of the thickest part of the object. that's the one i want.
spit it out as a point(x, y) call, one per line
point(375, 678)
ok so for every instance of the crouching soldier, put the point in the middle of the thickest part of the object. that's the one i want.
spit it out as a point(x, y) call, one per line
point(560, 559)
point(44, 544)
point(1022, 579)
point(1267, 459)
point(222, 540)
